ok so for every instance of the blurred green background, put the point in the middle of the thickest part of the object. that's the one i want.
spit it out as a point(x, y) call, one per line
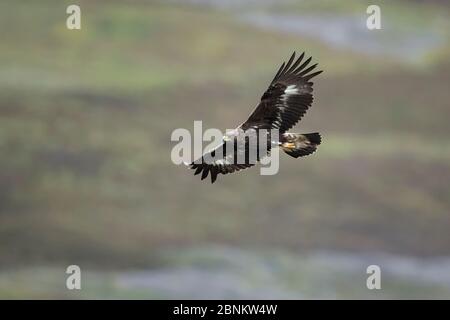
point(85, 123)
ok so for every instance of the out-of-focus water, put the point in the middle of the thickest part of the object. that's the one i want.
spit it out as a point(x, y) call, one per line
point(341, 31)
point(350, 32)
point(225, 272)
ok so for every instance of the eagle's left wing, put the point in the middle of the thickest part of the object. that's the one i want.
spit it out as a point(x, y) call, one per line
point(226, 163)
point(288, 97)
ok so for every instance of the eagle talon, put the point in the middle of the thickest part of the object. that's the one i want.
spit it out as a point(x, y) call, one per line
point(288, 145)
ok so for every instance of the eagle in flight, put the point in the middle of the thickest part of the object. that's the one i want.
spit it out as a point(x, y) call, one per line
point(282, 105)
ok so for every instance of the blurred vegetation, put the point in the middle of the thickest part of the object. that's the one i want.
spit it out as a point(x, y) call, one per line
point(86, 118)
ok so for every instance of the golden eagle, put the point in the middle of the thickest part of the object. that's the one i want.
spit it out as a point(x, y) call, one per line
point(282, 105)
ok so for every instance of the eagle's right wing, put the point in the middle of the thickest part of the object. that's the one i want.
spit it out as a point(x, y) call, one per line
point(288, 97)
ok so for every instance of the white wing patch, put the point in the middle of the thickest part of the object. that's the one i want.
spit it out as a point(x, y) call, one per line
point(292, 89)
point(289, 91)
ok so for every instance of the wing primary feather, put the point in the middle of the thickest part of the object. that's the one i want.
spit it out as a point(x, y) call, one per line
point(205, 173)
point(312, 75)
point(288, 65)
point(304, 64)
point(199, 169)
point(307, 70)
point(214, 172)
point(300, 58)
point(278, 72)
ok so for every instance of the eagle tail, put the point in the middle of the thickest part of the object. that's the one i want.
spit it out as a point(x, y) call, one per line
point(299, 145)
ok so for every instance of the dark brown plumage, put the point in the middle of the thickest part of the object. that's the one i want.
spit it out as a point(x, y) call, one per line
point(282, 105)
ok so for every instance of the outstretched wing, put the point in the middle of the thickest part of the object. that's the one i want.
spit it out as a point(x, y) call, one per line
point(288, 97)
point(210, 162)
